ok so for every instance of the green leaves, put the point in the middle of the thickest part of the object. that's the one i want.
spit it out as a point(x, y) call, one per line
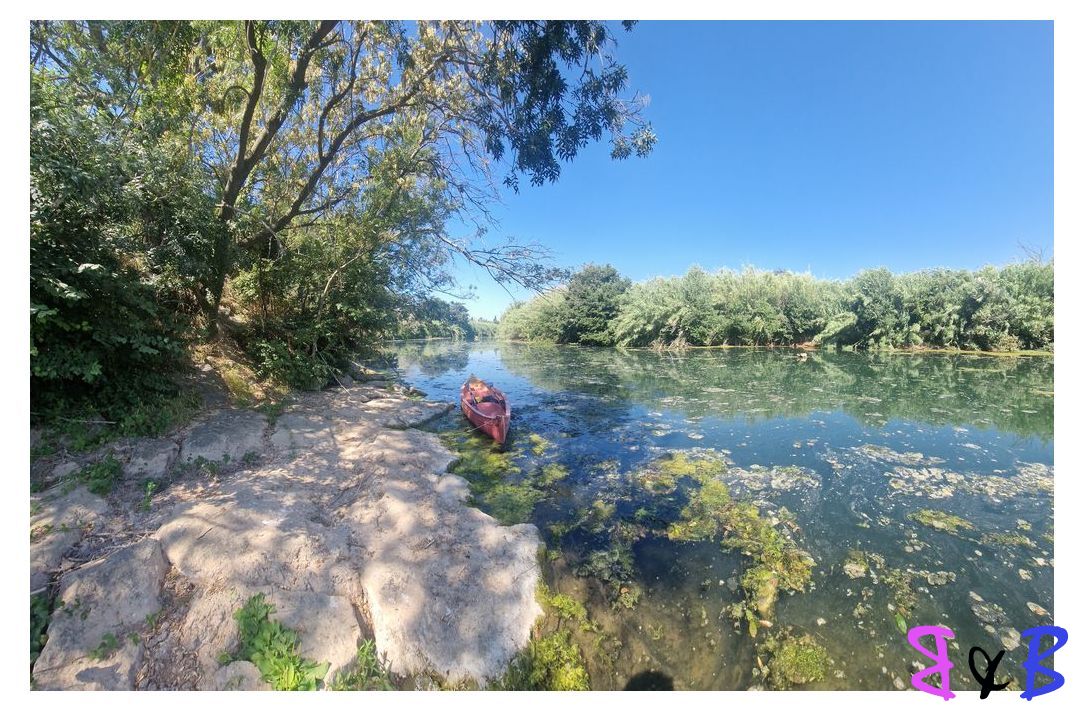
point(274, 649)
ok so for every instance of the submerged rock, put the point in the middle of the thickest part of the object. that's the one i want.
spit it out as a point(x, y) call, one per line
point(984, 611)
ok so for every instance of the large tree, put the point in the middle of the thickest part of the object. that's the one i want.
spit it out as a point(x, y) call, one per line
point(292, 119)
point(310, 174)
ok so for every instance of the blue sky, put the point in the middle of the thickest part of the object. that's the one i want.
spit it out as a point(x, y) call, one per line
point(820, 146)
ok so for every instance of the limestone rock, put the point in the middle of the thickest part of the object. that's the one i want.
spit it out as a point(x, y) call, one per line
point(302, 431)
point(151, 459)
point(102, 601)
point(228, 435)
point(58, 524)
point(239, 676)
point(64, 470)
point(327, 627)
point(449, 589)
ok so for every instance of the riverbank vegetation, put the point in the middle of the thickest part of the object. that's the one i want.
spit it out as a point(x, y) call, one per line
point(286, 185)
point(992, 309)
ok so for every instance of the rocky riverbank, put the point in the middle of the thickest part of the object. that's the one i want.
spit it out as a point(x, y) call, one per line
point(338, 509)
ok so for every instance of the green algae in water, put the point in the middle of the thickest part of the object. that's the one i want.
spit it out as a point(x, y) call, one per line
point(551, 474)
point(508, 503)
point(940, 520)
point(539, 444)
point(755, 404)
point(552, 662)
point(495, 478)
point(565, 607)
point(1008, 540)
point(712, 514)
point(796, 660)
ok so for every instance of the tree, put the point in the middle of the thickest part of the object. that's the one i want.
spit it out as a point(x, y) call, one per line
point(290, 117)
point(591, 302)
point(334, 157)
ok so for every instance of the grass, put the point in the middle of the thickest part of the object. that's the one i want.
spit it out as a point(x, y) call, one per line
point(273, 648)
point(368, 674)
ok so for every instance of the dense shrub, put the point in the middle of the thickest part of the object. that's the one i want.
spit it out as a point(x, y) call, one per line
point(990, 309)
point(111, 270)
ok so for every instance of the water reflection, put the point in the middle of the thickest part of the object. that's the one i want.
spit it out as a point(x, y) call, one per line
point(870, 459)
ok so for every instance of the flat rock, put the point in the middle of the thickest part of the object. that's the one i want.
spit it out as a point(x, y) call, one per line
point(402, 413)
point(239, 676)
point(57, 524)
point(449, 589)
point(255, 538)
point(228, 435)
point(350, 509)
point(151, 459)
point(112, 596)
point(302, 430)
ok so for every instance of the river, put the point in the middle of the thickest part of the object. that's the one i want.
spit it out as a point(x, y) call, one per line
point(917, 487)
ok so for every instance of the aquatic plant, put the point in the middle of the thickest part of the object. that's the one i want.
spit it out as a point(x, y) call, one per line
point(712, 514)
point(509, 503)
point(539, 444)
point(795, 660)
point(495, 478)
point(940, 520)
point(550, 663)
point(551, 474)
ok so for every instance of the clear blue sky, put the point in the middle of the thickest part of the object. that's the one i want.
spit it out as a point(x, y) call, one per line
point(820, 146)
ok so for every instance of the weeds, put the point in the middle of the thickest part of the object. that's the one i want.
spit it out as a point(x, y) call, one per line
point(273, 648)
point(101, 476)
point(369, 673)
point(105, 648)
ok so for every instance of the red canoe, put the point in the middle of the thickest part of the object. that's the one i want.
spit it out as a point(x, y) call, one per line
point(486, 407)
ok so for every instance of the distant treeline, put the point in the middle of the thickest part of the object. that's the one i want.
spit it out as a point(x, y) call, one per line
point(992, 309)
point(432, 317)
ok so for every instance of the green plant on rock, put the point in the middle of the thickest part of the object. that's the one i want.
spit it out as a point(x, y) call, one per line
point(101, 476)
point(273, 648)
point(40, 611)
point(148, 493)
point(368, 674)
point(105, 648)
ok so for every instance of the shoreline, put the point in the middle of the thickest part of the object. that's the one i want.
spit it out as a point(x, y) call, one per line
point(798, 348)
point(338, 508)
